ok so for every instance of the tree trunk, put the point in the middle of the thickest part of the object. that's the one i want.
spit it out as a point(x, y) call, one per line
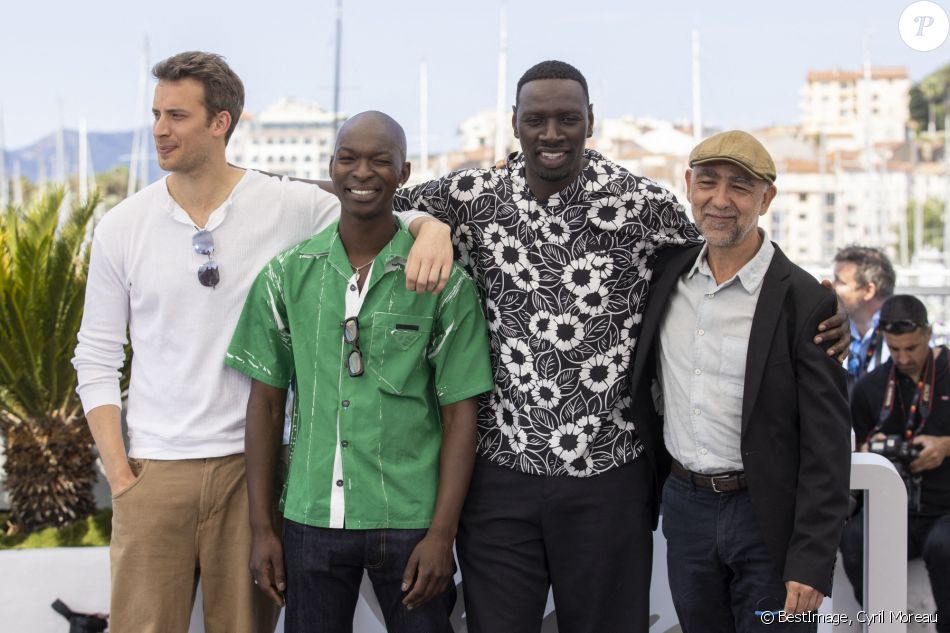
point(50, 472)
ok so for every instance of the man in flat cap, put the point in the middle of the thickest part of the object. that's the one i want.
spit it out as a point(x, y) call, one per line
point(750, 415)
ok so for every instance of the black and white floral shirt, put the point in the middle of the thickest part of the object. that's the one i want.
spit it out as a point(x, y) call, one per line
point(564, 284)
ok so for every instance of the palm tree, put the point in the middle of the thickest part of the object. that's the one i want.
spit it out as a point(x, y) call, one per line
point(930, 99)
point(50, 463)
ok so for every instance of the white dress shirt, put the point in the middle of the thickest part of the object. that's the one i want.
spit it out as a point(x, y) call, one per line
point(704, 340)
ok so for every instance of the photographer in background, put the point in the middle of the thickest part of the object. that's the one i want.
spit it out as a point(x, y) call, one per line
point(864, 279)
point(902, 411)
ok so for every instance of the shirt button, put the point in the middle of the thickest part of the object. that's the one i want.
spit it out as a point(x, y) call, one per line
point(345, 403)
point(339, 483)
point(353, 287)
point(698, 372)
point(700, 332)
point(709, 296)
point(704, 451)
point(696, 411)
point(344, 443)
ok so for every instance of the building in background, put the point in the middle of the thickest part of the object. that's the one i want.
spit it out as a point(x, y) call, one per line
point(291, 137)
point(847, 109)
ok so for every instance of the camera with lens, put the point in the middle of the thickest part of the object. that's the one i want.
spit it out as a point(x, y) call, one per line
point(901, 452)
point(895, 448)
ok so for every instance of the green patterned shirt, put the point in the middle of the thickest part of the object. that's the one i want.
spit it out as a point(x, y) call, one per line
point(420, 352)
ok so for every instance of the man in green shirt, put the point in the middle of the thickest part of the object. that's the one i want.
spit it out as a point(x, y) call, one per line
point(383, 438)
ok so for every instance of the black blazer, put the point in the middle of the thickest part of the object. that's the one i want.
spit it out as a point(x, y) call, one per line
point(796, 436)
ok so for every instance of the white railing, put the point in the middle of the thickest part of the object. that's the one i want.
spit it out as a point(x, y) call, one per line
point(32, 579)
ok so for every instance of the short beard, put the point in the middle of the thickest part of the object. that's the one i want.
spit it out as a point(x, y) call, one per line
point(735, 236)
point(559, 175)
point(552, 176)
point(186, 164)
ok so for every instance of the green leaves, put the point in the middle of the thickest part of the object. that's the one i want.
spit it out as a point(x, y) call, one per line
point(50, 461)
point(930, 98)
point(43, 264)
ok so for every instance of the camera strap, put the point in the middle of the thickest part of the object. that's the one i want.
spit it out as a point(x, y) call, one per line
point(859, 366)
point(874, 352)
point(922, 401)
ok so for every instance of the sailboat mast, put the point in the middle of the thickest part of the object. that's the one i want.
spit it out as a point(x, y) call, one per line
point(83, 163)
point(501, 130)
point(946, 179)
point(424, 120)
point(697, 106)
point(139, 140)
point(60, 174)
point(336, 72)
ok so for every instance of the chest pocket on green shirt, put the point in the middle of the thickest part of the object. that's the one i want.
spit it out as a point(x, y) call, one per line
point(399, 347)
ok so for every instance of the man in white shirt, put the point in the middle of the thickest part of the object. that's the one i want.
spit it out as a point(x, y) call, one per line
point(172, 266)
point(752, 412)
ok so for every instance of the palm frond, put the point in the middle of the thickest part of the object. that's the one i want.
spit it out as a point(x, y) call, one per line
point(44, 260)
point(43, 265)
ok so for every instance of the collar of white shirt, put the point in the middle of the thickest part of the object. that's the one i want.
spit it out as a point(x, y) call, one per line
point(750, 275)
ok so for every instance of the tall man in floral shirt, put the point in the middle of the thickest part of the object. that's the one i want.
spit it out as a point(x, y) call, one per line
point(561, 242)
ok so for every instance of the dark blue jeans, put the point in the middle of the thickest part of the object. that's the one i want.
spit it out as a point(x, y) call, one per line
point(325, 568)
point(720, 571)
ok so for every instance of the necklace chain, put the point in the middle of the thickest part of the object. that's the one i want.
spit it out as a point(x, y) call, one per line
point(357, 269)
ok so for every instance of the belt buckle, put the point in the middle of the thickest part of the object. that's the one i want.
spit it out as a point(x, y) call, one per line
point(712, 481)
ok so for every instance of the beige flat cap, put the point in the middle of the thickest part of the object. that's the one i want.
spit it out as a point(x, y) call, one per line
point(739, 148)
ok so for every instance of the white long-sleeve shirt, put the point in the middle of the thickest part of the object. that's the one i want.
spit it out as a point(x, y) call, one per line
point(143, 276)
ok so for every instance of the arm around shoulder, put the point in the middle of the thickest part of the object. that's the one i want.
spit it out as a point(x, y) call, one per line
point(429, 264)
point(667, 218)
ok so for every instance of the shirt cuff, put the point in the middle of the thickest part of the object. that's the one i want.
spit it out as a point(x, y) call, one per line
point(408, 217)
point(93, 396)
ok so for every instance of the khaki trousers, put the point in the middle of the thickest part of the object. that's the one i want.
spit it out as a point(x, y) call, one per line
point(179, 521)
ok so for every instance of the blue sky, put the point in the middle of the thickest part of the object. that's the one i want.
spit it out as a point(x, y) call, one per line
point(635, 54)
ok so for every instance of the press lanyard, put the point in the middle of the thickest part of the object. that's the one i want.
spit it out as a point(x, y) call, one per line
point(922, 401)
point(874, 351)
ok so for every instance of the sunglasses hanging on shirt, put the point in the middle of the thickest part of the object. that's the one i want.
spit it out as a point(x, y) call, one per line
point(203, 243)
point(351, 336)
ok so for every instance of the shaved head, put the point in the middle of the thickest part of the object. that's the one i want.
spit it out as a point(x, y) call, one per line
point(368, 165)
point(376, 123)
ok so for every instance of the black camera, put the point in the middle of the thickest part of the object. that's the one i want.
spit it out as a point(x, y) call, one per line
point(901, 452)
point(896, 448)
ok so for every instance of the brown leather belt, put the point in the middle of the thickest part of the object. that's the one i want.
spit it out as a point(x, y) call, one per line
point(726, 482)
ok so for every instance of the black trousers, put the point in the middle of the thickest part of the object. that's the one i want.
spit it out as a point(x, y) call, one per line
point(589, 538)
point(927, 538)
